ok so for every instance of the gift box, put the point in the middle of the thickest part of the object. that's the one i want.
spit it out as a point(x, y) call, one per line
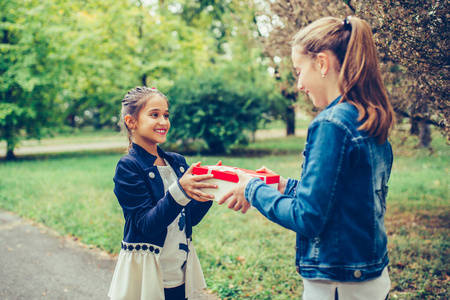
point(225, 178)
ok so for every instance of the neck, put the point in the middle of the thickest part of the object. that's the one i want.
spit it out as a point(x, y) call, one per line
point(333, 87)
point(333, 96)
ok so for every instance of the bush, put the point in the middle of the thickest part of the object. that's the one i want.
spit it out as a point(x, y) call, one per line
point(220, 112)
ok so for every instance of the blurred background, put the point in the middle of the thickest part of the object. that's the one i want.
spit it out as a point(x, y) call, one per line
point(225, 65)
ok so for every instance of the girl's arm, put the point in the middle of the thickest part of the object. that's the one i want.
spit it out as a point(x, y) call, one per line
point(307, 208)
point(151, 217)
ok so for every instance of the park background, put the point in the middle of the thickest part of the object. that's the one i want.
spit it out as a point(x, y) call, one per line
point(225, 66)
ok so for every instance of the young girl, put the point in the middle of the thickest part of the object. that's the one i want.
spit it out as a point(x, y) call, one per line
point(158, 196)
point(337, 208)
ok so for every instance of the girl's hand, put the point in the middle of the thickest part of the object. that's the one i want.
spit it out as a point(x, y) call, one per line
point(192, 185)
point(237, 199)
point(281, 184)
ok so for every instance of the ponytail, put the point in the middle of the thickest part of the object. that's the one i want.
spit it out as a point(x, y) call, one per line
point(361, 84)
point(360, 81)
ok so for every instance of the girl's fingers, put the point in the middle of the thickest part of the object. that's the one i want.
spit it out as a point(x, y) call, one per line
point(232, 202)
point(203, 185)
point(264, 169)
point(245, 208)
point(189, 171)
point(205, 195)
point(225, 197)
point(203, 177)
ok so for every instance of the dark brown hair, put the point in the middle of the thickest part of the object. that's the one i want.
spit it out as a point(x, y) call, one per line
point(360, 80)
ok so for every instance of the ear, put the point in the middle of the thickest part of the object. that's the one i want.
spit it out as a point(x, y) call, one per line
point(131, 123)
point(323, 63)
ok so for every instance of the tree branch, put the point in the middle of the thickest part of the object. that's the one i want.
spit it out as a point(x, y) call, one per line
point(419, 118)
point(350, 5)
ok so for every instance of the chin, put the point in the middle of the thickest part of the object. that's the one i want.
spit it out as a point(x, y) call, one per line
point(319, 103)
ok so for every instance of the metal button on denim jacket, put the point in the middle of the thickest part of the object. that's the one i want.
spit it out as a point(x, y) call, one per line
point(337, 208)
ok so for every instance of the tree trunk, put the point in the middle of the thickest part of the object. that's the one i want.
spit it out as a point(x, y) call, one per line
point(290, 120)
point(10, 151)
point(415, 129)
point(290, 112)
point(425, 135)
point(424, 127)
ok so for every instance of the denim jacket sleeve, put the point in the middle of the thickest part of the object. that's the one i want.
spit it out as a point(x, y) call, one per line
point(306, 205)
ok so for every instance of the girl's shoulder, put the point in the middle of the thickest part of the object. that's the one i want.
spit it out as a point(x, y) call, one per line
point(127, 161)
point(341, 114)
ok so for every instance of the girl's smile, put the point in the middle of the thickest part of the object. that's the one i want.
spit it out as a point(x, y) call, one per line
point(161, 131)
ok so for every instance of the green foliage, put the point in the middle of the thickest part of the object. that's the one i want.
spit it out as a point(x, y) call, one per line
point(208, 106)
point(29, 67)
point(70, 63)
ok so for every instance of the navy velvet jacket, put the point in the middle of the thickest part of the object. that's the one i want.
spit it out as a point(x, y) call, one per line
point(148, 211)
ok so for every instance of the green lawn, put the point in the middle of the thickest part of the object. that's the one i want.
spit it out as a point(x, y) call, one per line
point(246, 256)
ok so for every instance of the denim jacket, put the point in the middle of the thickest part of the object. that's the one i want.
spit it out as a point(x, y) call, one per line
point(337, 208)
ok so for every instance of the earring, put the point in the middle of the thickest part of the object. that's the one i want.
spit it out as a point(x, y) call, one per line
point(323, 75)
point(132, 130)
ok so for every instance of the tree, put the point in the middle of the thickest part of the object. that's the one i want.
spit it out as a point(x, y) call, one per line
point(30, 68)
point(412, 39)
point(229, 97)
point(415, 35)
point(219, 106)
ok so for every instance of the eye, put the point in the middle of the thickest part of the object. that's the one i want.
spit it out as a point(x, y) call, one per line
point(155, 115)
point(166, 116)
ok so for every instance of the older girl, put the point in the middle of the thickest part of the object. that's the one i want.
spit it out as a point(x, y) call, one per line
point(337, 208)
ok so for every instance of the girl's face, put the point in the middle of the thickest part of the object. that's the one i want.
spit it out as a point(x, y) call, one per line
point(152, 124)
point(309, 77)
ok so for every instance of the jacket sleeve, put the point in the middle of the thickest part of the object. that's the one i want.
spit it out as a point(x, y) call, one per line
point(198, 209)
point(307, 209)
point(151, 217)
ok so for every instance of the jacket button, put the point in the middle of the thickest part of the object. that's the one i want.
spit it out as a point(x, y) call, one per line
point(151, 175)
point(182, 169)
point(357, 274)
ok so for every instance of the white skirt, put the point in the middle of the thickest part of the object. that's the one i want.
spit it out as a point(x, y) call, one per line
point(138, 274)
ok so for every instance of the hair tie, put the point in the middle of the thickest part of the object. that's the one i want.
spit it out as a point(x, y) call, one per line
point(347, 25)
point(153, 88)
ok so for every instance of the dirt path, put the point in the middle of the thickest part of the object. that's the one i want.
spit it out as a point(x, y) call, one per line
point(116, 143)
point(38, 263)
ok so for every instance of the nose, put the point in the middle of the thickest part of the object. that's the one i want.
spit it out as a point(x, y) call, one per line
point(163, 121)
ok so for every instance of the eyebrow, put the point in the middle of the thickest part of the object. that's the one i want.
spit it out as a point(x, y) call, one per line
point(156, 109)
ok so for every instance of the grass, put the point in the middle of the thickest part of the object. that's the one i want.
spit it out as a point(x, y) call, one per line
point(246, 256)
